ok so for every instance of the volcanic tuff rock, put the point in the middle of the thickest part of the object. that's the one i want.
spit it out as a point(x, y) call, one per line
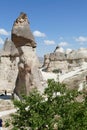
point(65, 60)
point(9, 48)
point(72, 63)
point(21, 62)
point(74, 81)
point(29, 75)
point(21, 34)
point(8, 66)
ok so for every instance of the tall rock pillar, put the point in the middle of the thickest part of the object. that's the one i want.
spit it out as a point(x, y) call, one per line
point(29, 75)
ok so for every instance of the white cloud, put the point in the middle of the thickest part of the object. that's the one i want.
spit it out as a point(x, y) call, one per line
point(39, 34)
point(4, 32)
point(81, 39)
point(49, 42)
point(63, 44)
point(1, 41)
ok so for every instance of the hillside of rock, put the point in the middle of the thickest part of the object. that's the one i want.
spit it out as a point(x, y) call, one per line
point(65, 60)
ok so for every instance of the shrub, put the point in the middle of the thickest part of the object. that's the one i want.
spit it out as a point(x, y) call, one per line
point(7, 123)
point(57, 71)
point(56, 109)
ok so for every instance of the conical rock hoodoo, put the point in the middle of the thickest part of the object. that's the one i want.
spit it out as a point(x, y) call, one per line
point(29, 75)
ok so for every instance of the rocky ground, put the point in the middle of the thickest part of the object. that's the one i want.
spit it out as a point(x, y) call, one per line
point(6, 102)
point(6, 108)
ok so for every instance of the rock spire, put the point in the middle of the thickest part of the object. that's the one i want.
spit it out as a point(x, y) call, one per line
point(29, 75)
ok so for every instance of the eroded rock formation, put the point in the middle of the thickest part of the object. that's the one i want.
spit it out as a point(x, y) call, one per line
point(72, 63)
point(21, 33)
point(9, 58)
point(29, 75)
point(65, 60)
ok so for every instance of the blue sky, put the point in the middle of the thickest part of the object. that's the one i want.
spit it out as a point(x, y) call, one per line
point(53, 22)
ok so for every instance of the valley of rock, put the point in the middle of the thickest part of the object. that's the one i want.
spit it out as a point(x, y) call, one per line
point(20, 70)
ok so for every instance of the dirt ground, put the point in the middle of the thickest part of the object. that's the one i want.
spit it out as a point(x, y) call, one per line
point(6, 103)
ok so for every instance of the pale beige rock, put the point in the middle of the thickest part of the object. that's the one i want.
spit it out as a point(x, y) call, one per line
point(78, 54)
point(74, 81)
point(62, 65)
point(65, 60)
point(8, 66)
point(8, 73)
point(9, 49)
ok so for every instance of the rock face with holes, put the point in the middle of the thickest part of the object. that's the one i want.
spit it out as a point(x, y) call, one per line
point(29, 75)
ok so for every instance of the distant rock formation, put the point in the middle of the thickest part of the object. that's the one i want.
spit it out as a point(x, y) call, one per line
point(65, 60)
point(55, 60)
point(29, 75)
point(72, 63)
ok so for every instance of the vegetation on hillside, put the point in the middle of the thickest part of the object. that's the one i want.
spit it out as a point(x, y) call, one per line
point(58, 108)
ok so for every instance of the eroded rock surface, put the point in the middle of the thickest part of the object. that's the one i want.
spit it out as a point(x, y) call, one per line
point(9, 58)
point(29, 75)
point(65, 60)
point(21, 33)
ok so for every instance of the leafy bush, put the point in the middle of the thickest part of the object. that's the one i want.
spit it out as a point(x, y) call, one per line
point(57, 109)
point(57, 71)
point(7, 123)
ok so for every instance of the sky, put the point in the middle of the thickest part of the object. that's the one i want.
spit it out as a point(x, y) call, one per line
point(53, 22)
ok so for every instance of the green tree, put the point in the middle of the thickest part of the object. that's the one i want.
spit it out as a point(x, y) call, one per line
point(56, 109)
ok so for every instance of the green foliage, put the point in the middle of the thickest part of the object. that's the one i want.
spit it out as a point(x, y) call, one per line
point(57, 71)
point(7, 123)
point(57, 109)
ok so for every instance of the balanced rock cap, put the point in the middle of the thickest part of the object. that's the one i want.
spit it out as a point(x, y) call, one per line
point(21, 33)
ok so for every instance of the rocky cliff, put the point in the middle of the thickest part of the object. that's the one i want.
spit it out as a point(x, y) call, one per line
point(65, 60)
point(72, 63)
